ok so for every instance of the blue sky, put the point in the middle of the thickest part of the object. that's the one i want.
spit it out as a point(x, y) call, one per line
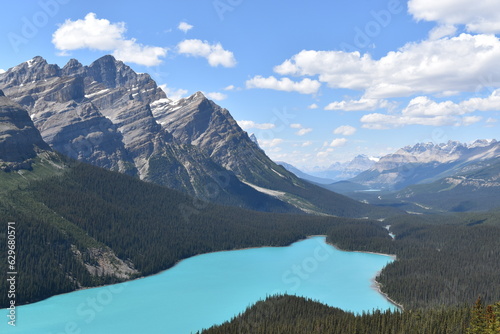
point(316, 81)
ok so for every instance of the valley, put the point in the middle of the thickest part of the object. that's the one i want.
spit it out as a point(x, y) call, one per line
point(108, 180)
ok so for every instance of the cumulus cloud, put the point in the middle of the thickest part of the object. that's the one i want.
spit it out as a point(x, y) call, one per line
point(307, 143)
point(172, 93)
point(214, 53)
point(345, 130)
point(313, 106)
point(358, 105)
point(338, 142)
point(100, 34)
point(480, 16)
point(246, 125)
point(216, 96)
point(303, 131)
point(424, 111)
point(184, 26)
point(230, 87)
point(428, 67)
point(268, 143)
point(2, 71)
point(325, 153)
point(305, 86)
point(441, 31)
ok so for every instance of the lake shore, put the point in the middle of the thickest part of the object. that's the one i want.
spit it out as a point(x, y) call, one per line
point(375, 284)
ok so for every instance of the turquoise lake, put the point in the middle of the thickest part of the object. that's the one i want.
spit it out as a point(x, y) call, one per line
point(209, 289)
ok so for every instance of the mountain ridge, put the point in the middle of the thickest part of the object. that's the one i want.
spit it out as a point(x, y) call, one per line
point(108, 115)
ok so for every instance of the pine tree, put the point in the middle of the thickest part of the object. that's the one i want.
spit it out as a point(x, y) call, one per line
point(478, 318)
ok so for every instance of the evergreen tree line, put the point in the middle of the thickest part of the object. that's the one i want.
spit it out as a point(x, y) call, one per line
point(442, 260)
point(292, 314)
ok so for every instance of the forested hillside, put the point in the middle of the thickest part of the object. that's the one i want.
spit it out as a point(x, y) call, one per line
point(290, 314)
point(71, 218)
point(90, 226)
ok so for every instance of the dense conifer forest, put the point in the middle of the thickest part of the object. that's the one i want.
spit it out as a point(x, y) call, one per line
point(444, 262)
point(291, 314)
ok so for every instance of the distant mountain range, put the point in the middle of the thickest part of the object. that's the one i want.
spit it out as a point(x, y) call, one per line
point(427, 162)
point(339, 171)
point(426, 177)
point(107, 115)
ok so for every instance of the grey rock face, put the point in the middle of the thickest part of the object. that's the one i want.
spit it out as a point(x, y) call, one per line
point(202, 123)
point(101, 114)
point(20, 141)
point(108, 115)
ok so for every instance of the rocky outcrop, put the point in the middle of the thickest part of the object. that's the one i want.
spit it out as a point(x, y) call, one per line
point(20, 141)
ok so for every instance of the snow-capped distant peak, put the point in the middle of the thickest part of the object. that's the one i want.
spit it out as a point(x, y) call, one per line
point(482, 143)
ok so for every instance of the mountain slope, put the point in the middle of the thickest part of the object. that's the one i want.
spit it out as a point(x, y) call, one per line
point(200, 122)
point(476, 190)
point(91, 226)
point(20, 141)
point(100, 114)
point(108, 115)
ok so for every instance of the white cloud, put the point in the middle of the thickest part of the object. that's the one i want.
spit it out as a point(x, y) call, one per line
point(324, 154)
point(307, 143)
point(305, 86)
point(303, 131)
point(184, 26)
point(358, 105)
point(345, 130)
point(430, 67)
point(270, 142)
point(2, 71)
point(246, 125)
point(214, 53)
point(338, 142)
point(230, 87)
point(441, 31)
point(480, 16)
point(100, 34)
point(491, 120)
point(216, 96)
point(173, 94)
point(313, 106)
point(424, 111)
point(469, 120)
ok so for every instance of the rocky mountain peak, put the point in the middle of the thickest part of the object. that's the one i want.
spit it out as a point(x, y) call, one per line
point(30, 71)
point(114, 73)
point(72, 67)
